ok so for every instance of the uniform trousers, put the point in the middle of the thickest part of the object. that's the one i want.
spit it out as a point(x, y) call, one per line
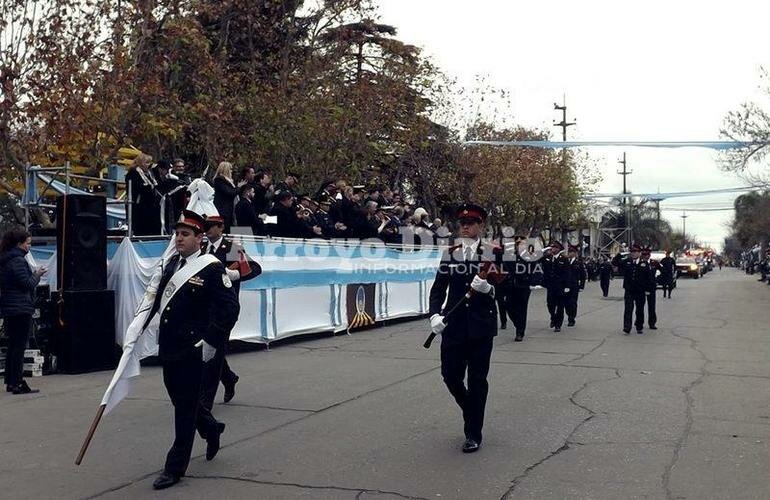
point(517, 304)
point(604, 281)
point(183, 380)
point(651, 312)
point(473, 356)
point(633, 300)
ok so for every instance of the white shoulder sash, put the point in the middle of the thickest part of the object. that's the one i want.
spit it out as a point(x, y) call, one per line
point(180, 277)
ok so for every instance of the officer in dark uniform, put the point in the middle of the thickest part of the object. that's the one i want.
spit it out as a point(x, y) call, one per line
point(222, 248)
point(635, 285)
point(553, 290)
point(576, 281)
point(197, 308)
point(560, 289)
point(605, 275)
point(469, 331)
point(652, 287)
point(667, 270)
point(527, 272)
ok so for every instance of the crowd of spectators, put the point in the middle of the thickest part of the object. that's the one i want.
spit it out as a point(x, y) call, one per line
point(252, 199)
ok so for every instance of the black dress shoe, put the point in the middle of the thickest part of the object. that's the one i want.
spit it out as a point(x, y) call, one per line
point(230, 389)
point(23, 388)
point(470, 446)
point(212, 442)
point(653, 327)
point(519, 338)
point(165, 480)
point(503, 326)
point(571, 323)
point(553, 323)
point(557, 329)
point(639, 331)
point(8, 388)
point(626, 332)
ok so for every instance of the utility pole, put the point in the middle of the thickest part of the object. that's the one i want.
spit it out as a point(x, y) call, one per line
point(626, 205)
point(684, 226)
point(563, 124)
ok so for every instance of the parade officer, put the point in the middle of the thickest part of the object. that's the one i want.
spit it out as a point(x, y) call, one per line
point(635, 285)
point(553, 290)
point(605, 275)
point(667, 271)
point(197, 308)
point(527, 273)
point(222, 248)
point(468, 332)
point(652, 287)
point(576, 281)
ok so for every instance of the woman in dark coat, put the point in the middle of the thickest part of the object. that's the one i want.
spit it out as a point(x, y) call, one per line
point(225, 193)
point(17, 288)
point(145, 211)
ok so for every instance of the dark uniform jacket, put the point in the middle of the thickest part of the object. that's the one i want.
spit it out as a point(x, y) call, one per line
point(667, 267)
point(204, 308)
point(605, 270)
point(288, 224)
point(638, 277)
point(227, 257)
point(576, 274)
point(524, 274)
point(245, 216)
point(477, 319)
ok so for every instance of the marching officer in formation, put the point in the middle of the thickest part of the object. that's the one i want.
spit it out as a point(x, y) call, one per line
point(198, 308)
point(652, 314)
point(463, 312)
point(222, 248)
point(553, 289)
point(605, 276)
point(575, 282)
point(526, 273)
point(667, 271)
point(636, 285)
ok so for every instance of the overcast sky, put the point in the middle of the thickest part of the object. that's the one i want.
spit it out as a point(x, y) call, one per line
point(650, 70)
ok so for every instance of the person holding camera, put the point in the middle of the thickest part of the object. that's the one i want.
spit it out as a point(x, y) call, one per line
point(17, 288)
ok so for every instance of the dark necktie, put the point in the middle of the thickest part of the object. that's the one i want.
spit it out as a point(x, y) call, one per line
point(211, 249)
point(182, 263)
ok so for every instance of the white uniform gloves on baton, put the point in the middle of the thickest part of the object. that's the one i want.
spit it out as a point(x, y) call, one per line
point(479, 285)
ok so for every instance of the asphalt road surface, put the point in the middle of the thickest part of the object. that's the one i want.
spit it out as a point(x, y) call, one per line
point(679, 413)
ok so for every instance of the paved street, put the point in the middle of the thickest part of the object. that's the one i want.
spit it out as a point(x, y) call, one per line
point(683, 412)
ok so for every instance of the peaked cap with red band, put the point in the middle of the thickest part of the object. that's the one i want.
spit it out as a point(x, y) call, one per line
point(192, 220)
point(471, 211)
point(214, 219)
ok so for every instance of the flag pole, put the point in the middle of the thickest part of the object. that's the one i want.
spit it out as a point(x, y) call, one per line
point(90, 434)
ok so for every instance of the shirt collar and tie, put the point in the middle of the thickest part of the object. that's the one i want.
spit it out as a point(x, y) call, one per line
point(470, 248)
point(184, 260)
point(214, 246)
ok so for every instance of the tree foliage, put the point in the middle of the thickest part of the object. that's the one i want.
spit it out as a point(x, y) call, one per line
point(318, 87)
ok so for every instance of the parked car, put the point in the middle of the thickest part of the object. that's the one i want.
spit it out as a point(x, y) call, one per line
point(688, 266)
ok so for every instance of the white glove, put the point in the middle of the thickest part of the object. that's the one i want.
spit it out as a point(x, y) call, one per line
point(208, 351)
point(437, 324)
point(233, 274)
point(566, 290)
point(480, 285)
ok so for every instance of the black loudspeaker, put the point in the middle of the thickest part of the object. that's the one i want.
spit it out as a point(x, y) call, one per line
point(84, 326)
point(81, 242)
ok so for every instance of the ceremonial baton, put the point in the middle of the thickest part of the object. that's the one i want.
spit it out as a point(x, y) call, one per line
point(482, 274)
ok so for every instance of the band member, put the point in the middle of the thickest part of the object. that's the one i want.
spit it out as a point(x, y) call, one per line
point(605, 276)
point(197, 308)
point(652, 315)
point(636, 275)
point(469, 331)
point(553, 290)
point(667, 270)
point(222, 248)
point(560, 289)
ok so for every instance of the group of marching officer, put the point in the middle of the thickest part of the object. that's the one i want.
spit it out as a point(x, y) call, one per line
point(195, 292)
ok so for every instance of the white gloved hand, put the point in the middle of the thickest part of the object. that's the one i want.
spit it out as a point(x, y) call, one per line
point(566, 290)
point(437, 324)
point(480, 285)
point(208, 352)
